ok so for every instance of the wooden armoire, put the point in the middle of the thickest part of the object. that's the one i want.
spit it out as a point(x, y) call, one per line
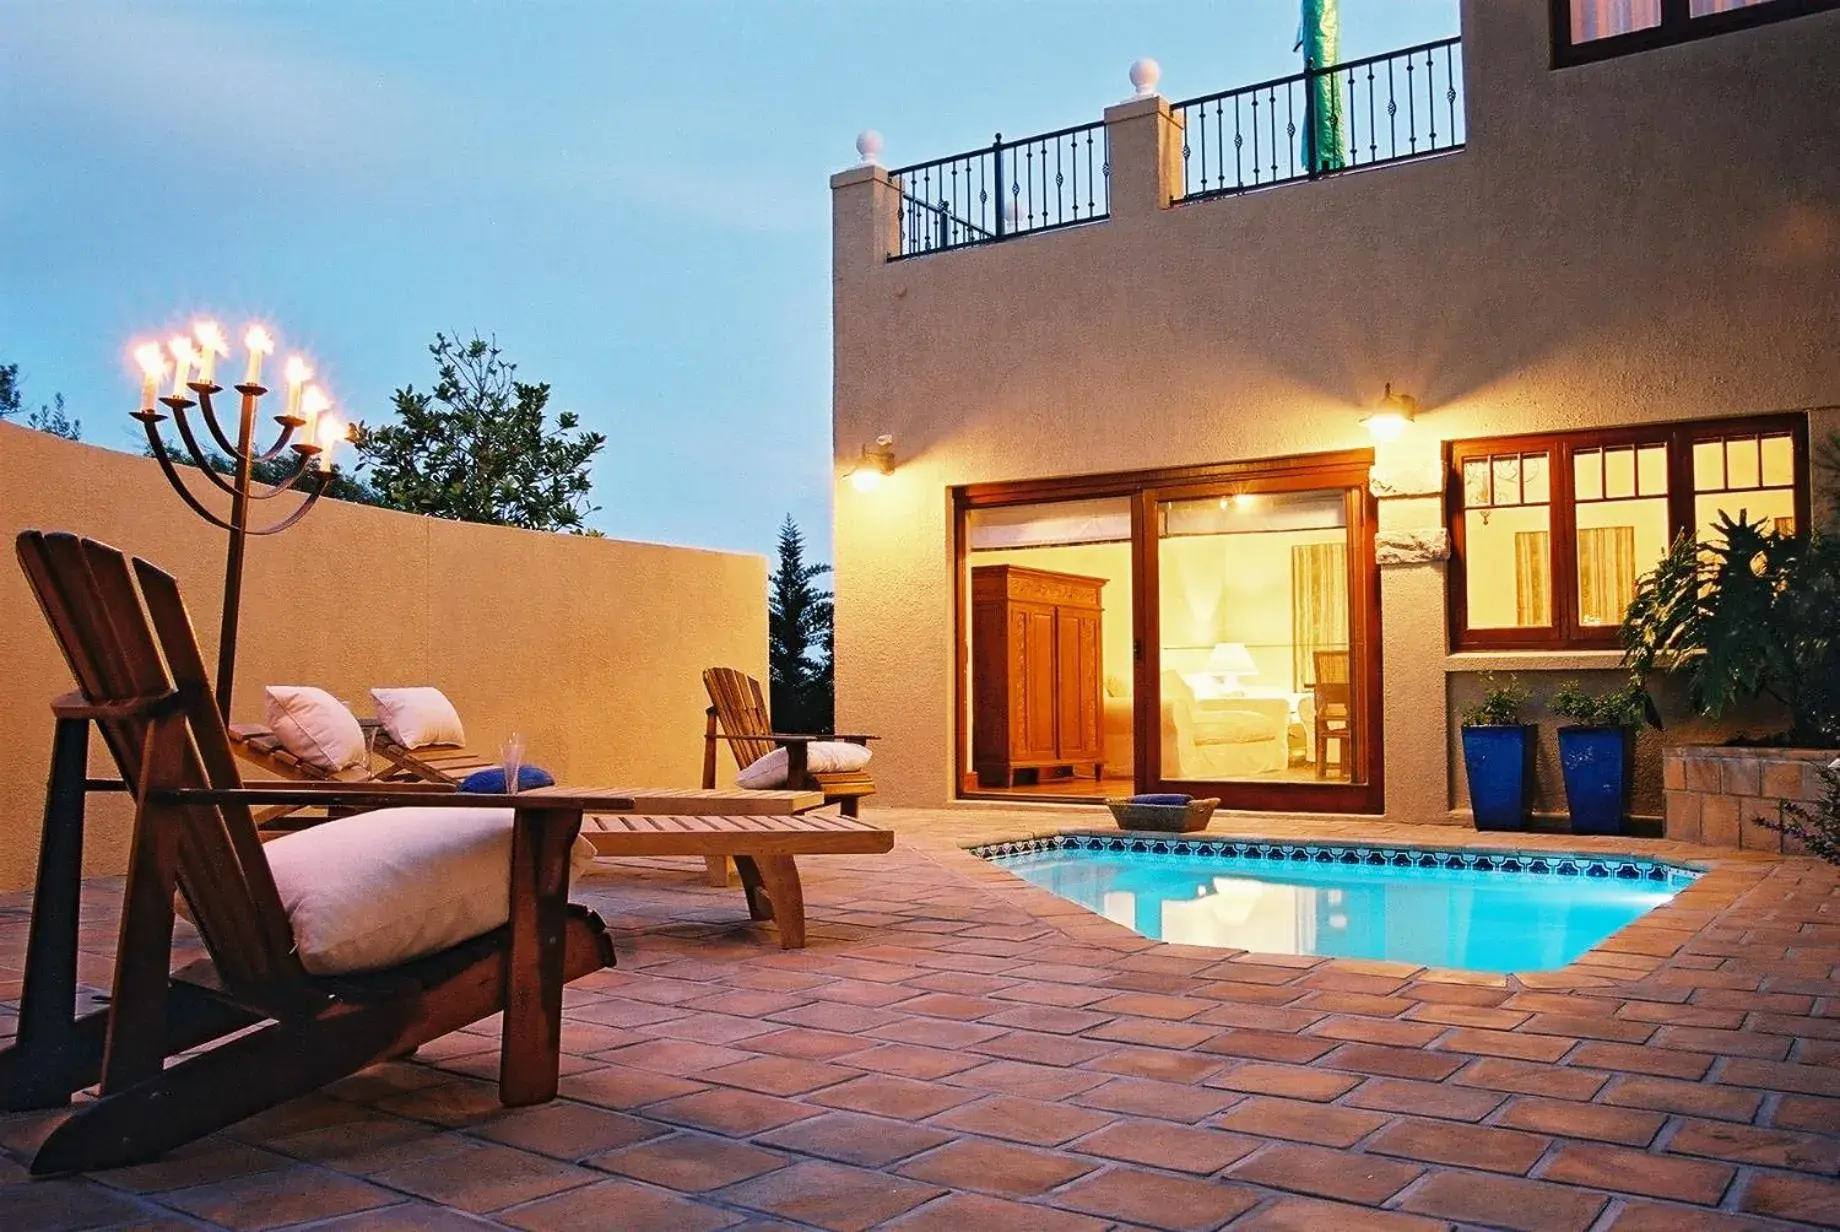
point(1036, 674)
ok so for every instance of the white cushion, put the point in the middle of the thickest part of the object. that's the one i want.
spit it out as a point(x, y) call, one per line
point(821, 757)
point(376, 889)
point(315, 726)
point(418, 717)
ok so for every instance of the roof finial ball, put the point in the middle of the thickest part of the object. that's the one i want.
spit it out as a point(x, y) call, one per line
point(1144, 75)
point(869, 147)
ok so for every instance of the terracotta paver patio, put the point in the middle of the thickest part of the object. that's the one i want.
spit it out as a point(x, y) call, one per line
point(959, 1050)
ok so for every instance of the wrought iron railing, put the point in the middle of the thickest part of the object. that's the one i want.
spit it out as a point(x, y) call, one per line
point(1005, 190)
point(1361, 113)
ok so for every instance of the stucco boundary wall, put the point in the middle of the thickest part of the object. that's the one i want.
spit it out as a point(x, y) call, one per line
point(592, 648)
point(1566, 270)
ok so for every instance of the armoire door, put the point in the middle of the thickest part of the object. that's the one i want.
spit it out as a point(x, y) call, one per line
point(1077, 647)
point(1032, 718)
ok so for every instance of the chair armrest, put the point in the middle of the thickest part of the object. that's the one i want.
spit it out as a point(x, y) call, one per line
point(852, 737)
point(800, 738)
point(367, 796)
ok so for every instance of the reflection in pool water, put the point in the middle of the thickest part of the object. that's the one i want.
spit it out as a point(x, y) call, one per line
point(1461, 918)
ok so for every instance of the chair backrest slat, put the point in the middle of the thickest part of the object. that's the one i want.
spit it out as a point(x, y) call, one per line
point(90, 599)
point(742, 711)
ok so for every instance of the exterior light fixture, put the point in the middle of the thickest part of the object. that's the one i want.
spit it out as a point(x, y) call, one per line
point(877, 460)
point(1396, 411)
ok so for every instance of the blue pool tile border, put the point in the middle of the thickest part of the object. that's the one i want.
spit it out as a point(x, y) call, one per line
point(1536, 863)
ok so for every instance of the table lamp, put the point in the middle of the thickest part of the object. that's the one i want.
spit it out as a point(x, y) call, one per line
point(1227, 662)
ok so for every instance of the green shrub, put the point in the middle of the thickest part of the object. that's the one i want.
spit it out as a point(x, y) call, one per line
point(1629, 706)
point(1502, 699)
point(1817, 825)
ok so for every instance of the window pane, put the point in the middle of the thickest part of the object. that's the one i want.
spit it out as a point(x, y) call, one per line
point(1741, 462)
point(1774, 508)
point(1588, 475)
point(1705, 8)
point(1508, 481)
point(1476, 483)
point(1596, 19)
point(1535, 489)
point(1651, 470)
point(1778, 461)
point(1618, 541)
point(1708, 466)
point(1507, 556)
point(1619, 473)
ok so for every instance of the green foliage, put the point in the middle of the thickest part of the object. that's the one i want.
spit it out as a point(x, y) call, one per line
point(799, 639)
point(1817, 825)
point(1750, 614)
point(48, 417)
point(479, 448)
point(1502, 699)
point(1629, 706)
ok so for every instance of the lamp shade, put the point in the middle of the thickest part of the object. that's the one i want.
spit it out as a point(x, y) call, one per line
point(1231, 659)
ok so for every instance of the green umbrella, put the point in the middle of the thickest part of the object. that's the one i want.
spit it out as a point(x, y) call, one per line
point(1320, 38)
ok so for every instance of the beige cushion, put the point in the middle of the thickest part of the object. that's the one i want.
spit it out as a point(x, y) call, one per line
point(1234, 727)
point(315, 726)
point(377, 889)
point(418, 717)
point(821, 757)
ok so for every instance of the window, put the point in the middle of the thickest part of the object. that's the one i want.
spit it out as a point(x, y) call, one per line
point(1585, 30)
point(1552, 533)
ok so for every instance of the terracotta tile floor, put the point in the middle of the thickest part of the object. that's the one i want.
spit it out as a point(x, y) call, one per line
point(957, 1050)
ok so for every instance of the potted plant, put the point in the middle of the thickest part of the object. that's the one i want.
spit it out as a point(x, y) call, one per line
point(1595, 752)
point(1498, 755)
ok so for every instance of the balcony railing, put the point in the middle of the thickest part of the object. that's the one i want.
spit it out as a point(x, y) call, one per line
point(1361, 113)
point(1006, 189)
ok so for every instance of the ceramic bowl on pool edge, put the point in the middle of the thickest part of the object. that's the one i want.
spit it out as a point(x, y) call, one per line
point(1166, 818)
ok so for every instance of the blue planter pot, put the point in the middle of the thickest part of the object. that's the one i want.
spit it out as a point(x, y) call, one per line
point(1498, 762)
point(1598, 772)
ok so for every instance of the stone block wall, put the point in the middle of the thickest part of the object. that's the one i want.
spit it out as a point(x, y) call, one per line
point(1715, 793)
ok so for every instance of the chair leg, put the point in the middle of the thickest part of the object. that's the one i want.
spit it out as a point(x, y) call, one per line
point(849, 805)
point(715, 871)
point(530, 1059)
point(215, 1089)
point(774, 893)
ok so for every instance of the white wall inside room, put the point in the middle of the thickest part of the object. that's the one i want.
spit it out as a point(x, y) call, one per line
point(1232, 588)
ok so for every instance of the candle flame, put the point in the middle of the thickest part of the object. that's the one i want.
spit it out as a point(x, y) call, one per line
point(210, 338)
point(331, 432)
point(297, 370)
point(151, 359)
point(314, 401)
point(258, 340)
point(182, 349)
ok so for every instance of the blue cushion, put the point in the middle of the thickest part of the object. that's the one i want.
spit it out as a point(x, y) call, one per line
point(1161, 798)
point(491, 780)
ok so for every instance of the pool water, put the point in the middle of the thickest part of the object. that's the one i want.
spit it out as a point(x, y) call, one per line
point(1497, 913)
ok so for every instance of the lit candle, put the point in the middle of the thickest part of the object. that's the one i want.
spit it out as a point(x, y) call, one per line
point(211, 344)
point(153, 367)
point(184, 356)
point(259, 344)
point(331, 432)
point(313, 403)
point(297, 374)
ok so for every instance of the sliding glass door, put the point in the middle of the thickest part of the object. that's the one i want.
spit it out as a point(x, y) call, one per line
point(1212, 631)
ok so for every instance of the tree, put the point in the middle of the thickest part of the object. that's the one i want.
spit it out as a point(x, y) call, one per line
point(800, 639)
point(479, 447)
point(49, 417)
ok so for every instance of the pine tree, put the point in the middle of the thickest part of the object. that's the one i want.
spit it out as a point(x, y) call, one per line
point(49, 417)
point(799, 639)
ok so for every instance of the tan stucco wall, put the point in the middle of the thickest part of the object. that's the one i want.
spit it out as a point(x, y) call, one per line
point(1652, 238)
point(591, 648)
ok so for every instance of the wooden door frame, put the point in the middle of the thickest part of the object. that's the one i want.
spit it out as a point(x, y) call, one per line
point(1346, 469)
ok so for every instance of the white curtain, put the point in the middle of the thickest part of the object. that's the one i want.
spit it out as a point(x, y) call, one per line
point(1596, 19)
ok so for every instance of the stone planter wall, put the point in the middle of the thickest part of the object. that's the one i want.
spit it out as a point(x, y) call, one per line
point(1715, 793)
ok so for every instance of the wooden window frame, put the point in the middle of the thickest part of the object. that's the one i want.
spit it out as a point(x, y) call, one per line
point(1678, 25)
point(1566, 632)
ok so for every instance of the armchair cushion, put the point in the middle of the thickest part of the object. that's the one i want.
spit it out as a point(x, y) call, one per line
point(376, 889)
point(821, 757)
point(418, 717)
point(315, 727)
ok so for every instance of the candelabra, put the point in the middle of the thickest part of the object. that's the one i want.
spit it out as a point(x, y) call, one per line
point(241, 487)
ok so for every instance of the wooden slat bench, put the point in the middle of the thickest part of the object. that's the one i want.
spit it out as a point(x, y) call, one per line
point(763, 848)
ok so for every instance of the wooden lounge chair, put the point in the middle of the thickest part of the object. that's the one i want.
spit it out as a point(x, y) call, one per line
point(193, 833)
point(738, 714)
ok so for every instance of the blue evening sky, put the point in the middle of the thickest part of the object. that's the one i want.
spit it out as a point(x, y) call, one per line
point(632, 196)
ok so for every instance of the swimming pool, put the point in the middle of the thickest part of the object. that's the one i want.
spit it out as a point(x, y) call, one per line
point(1474, 911)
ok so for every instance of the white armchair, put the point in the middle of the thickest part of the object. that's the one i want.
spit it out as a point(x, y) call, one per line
point(1222, 738)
